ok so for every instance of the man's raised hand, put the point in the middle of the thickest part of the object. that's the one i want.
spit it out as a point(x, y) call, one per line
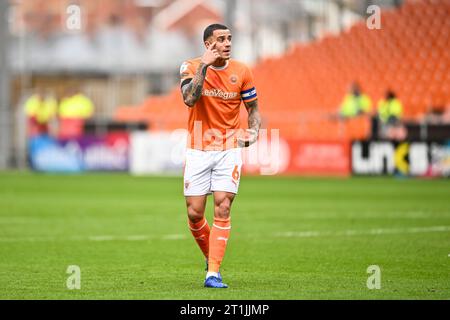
point(211, 55)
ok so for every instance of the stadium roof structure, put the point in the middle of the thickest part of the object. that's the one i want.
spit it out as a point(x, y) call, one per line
point(184, 14)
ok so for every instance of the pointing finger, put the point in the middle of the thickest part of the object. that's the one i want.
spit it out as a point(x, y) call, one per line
point(213, 45)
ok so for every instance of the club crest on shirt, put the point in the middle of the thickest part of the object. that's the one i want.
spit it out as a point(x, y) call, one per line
point(233, 79)
point(186, 184)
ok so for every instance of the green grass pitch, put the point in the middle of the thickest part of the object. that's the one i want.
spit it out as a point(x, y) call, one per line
point(292, 238)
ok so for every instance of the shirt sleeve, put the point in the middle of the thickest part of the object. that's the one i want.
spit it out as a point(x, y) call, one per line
point(248, 90)
point(187, 72)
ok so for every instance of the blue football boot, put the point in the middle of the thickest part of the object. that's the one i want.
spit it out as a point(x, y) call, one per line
point(215, 282)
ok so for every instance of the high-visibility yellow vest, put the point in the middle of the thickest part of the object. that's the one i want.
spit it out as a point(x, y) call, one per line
point(78, 106)
point(41, 109)
point(390, 108)
point(352, 105)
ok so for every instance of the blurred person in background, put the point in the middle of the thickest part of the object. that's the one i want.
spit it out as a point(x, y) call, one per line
point(40, 109)
point(390, 112)
point(355, 103)
point(74, 109)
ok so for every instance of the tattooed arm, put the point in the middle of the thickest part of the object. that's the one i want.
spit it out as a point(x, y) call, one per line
point(254, 118)
point(254, 124)
point(192, 91)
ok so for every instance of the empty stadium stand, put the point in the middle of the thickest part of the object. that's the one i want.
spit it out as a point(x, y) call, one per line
point(299, 91)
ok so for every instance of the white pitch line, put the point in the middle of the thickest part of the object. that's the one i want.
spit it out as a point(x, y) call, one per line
point(309, 234)
point(138, 237)
point(174, 237)
point(101, 238)
point(288, 234)
point(98, 238)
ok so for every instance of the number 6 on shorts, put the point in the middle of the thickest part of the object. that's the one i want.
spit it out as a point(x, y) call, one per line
point(235, 174)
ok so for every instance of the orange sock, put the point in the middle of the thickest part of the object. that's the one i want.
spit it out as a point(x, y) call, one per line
point(200, 231)
point(218, 243)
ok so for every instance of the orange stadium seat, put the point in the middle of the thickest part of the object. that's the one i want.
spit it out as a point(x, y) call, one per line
point(410, 55)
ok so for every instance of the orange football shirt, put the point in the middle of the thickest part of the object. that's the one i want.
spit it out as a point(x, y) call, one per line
point(214, 120)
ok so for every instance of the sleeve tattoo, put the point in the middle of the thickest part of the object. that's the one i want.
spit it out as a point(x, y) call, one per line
point(193, 90)
point(254, 118)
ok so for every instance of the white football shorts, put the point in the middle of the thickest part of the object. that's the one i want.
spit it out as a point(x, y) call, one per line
point(208, 171)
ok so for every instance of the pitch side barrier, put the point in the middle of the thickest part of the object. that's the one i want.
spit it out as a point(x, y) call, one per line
point(109, 152)
point(162, 153)
point(404, 158)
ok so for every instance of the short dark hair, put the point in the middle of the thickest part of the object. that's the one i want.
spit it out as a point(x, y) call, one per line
point(211, 28)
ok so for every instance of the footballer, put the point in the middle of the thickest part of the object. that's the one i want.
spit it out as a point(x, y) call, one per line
point(213, 87)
